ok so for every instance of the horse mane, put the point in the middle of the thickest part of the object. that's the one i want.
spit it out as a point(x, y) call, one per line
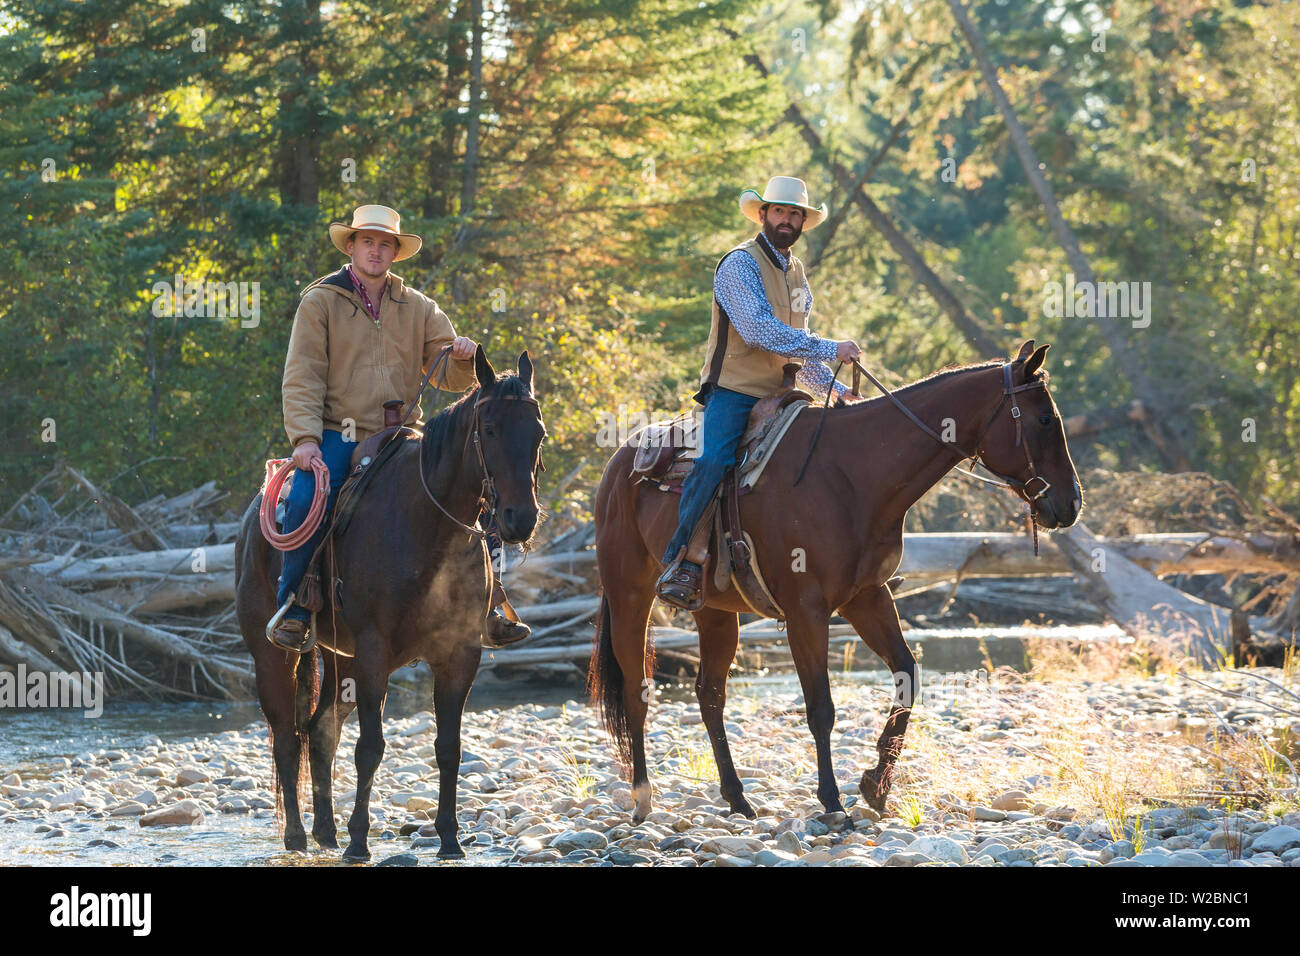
point(436, 429)
point(951, 371)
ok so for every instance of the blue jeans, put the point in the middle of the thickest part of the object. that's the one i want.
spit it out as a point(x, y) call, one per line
point(726, 413)
point(338, 459)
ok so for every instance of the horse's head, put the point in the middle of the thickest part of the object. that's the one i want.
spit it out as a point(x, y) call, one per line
point(1040, 463)
point(510, 436)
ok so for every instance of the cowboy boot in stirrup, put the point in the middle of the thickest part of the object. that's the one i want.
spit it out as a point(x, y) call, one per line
point(681, 586)
point(290, 633)
point(503, 628)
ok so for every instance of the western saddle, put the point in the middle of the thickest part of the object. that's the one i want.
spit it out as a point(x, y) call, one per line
point(665, 455)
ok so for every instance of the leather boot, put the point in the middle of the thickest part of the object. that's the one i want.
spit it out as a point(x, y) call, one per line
point(293, 635)
point(503, 627)
point(502, 632)
point(681, 586)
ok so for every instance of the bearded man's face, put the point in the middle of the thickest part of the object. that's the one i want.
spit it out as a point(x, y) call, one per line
point(782, 224)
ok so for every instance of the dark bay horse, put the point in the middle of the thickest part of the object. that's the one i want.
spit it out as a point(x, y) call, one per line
point(830, 545)
point(415, 586)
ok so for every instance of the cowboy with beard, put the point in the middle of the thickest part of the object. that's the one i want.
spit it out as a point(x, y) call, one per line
point(761, 302)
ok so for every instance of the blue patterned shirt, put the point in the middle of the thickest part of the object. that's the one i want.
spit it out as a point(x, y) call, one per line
point(738, 287)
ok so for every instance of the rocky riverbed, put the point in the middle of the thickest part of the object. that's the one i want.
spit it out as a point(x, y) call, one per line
point(1002, 772)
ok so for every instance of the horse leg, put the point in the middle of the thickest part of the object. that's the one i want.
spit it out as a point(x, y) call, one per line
point(451, 684)
point(371, 670)
point(629, 614)
point(277, 689)
point(809, 630)
point(874, 617)
point(719, 636)
point(324, 733)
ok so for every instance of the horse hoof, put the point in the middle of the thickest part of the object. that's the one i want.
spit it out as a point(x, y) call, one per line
point(451, 852)
point(326, 842)
point(638, 819)
point(295, 841)
point(744, 809)
point(356, 854)
point(873, 790)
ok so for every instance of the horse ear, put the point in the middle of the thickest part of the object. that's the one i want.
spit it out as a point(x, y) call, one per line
point(483, 368)
point(1036, 360)
point(1025, 350)
point(526, 370)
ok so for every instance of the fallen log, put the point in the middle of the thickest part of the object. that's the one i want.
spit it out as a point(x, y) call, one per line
point(14, 651)
point(153, 638)
point(1144, 606)
point(167, 580)
point(976, 554)
point(217, 559)
point(121, 514)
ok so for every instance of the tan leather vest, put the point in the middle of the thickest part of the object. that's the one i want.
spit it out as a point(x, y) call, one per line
point(728, 361)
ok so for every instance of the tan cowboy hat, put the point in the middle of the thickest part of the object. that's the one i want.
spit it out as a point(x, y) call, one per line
point(380, 219)
point(783, 191)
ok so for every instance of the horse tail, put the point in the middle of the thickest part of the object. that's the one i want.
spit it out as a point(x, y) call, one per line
point(306, 698)
point(605, 685)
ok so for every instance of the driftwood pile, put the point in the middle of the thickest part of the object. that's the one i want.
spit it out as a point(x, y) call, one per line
point(139, 594)
point(144, 594)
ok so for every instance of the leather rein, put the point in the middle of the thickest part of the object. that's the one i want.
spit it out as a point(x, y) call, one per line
point(488, 493)
point(1009, 392)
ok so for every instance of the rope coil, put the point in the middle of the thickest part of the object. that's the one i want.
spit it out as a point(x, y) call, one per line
point(278, 471)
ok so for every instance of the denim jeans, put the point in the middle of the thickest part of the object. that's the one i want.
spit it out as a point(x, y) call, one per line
point(725, 415)
point(338, 459)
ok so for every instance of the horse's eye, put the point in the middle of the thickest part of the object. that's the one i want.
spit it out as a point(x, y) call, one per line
point(1046, 420)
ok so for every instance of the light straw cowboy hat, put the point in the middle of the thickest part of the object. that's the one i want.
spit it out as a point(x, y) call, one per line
point(783, 191)
point(380, 219)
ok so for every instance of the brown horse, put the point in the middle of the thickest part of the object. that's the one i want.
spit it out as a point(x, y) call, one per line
point(831, 545)
point(415, 586)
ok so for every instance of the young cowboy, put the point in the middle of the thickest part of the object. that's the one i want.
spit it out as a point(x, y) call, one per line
point(360, 337)
point(761, 302)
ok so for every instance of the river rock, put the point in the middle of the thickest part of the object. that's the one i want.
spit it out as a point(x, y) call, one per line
point(789, 842)
point(191, 774)
point(184, 813)
point(907, 858)
point(1187, 858)
point(571, 840)
point(1276, 840)
point(940, 848)
point(733, 845)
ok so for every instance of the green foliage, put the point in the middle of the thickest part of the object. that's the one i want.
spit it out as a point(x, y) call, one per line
point(579, 209)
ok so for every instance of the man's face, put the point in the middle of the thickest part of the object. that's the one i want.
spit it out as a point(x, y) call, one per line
point(782, 224)
point(372, 252)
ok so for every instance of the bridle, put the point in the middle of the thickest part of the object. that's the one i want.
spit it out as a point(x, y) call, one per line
point(487, 493)
point(1009, 393)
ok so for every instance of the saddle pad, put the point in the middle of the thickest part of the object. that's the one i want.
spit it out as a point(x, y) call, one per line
point(680, 434)
point(759, 453)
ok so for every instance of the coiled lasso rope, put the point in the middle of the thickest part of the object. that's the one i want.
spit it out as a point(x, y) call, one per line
point(277, 472)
